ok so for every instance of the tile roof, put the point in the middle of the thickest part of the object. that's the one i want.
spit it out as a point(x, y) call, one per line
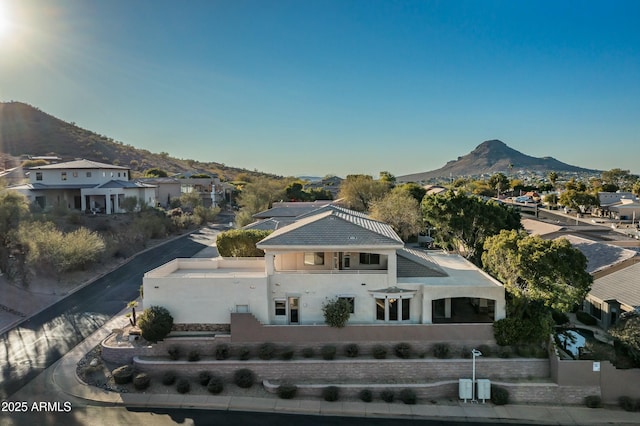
point(622, 285)
point(268, 224)
point(334, 226)
point(124, 184)
point(599, 255)
point(79, 164)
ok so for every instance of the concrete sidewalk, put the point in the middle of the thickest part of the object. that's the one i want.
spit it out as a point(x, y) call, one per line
point(65, 379)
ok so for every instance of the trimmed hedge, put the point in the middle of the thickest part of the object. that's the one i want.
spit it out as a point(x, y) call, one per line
point(183, 385)
point(215, 385)
point(402, 350)
point(351, 350)
point(365, 395)
point(266, 351)
point(222, 351)
point(499, 395)
point(441, 350)
point(287, 391)
point(244, 378)
point(408, 396)
point(193, 355)
point(168, 378)
point(141, 381)
point(387, 395)
point(331, 393)
point(174, 353)
point(379, 352)
point(328, 352)
point(593, 401)
point(204, 377)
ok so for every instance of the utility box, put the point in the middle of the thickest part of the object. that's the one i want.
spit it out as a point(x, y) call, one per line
point(484, 389)
point(465, 389)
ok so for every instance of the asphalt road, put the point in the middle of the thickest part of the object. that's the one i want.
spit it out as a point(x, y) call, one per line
point(35, 344)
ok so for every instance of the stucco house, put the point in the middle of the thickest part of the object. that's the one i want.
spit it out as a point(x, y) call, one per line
point(170, 188)
point(84, 185)
point(329, 253)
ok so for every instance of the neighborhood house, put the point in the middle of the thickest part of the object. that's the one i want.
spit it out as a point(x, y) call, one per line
point(329, 253)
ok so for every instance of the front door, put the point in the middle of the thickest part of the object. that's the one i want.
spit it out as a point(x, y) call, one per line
point(294, 307)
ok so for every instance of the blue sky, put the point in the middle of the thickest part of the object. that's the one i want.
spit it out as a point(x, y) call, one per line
point(335, 87)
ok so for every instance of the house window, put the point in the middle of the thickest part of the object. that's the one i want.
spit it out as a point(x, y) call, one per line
point(369, 259)
point(315, 258)
point(63, 175)
point(88, 174)
point(281, 307)
point(38, 175)
point(351, 301)
point(393, 309)
point(596, 310)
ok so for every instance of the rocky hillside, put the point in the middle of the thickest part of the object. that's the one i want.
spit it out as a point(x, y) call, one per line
point(26, 130)
point(491, 157)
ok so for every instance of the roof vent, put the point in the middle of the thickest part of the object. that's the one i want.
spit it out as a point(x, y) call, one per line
point(351, 237)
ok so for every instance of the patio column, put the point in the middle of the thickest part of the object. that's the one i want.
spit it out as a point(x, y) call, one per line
point(501, 312)
point(427, 311)
point(269, 260)
point(447, 307)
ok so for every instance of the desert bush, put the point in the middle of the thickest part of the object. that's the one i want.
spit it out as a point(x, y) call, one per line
point(183, 385)
point(365, 395)
point(593, 401)
point(408, 396)
point(287, 391)
point(628, 404)
point(141, 381)
point(168, 378)
point(402, 350)
point(486, 350)
point(331, 393)
point(174, 353)
point(351, 350)
point(328, 352)
point(244, 353)
point(266, 351)
point(441, 350)
point(499, 395)
point(559, 318)
point(240, 242)
point(465, 353)
point(505, 352)
point(123, 374)
point(244, 378)
point(287, 353)
point(387, 395)
point(193, 355)
point(215, 385)
point(222, 351)
point(155, 323)
point(585, 318)
point(379, 352)
point(336, 312)
point(204, 377)
point(308, 352)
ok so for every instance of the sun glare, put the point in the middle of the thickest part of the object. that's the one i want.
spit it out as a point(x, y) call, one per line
point(4, 21)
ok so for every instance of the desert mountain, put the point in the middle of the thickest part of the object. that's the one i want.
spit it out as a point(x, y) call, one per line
point(26, 130)
point(492, 157)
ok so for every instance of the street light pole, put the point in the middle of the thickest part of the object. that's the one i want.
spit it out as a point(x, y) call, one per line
point(475, 353)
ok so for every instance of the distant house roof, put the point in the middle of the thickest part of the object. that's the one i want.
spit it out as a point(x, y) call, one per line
point(268, 224)
point(622, 285)
point(600, 256)
point(124, 184)
point(79, 164)
point(537, 227)
point(290, 209)
point(334, 227)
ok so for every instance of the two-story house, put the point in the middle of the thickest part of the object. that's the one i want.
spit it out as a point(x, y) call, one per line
point(329, 253)
point(84, 185)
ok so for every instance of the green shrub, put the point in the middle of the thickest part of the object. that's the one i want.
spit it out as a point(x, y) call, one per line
point(593, 401)
point(331, 393)
point(287, 391)
point(533, 329)
point(168, 378)
point(487, 351)
point(499, 395)
point(266, 351)
point(328, 352)
point(336, 312)
point(379, 352)
point(505, 352)
point(244, 378)
point(240, 242)
point(627, 403)
point(365, 395)
point(408, 396)
point(215, 385)
point(122, 375)
point(174, 353)
point(559, 318)
point(441, 350)
point(183, 385)
point(465, 353)
point(402, 350)
point(193, 355)
point(308, 352)
point(222, 351)
point(155, 323)
point(141, 381)
point(287, 353)
point(244, 353)
point(351, 350)
point(204, 377)
point(585, 318)
point(387, 395)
